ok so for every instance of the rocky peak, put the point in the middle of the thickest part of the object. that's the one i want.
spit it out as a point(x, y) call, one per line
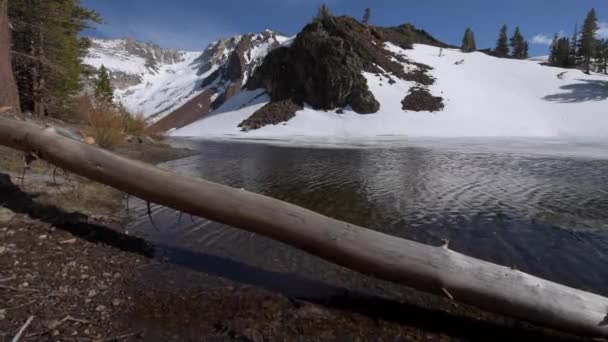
point(225, 67)
point(324, 66)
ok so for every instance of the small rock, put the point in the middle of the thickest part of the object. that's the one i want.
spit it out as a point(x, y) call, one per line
point(68, 242)
point(116, 302)
point(2, 314)
point(43, 236)
point(2, 250)
point(100, 308)
point(6, 214)
point(92, 293)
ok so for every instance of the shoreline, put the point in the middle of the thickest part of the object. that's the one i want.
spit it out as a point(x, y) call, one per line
point(68, 263)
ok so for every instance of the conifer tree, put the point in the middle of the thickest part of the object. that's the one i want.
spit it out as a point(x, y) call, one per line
point(602, 55)
point(560, 56)
point(574, 53)
point(519, 45)
point(468, 41)
point(367, 15)
point(587, 40)
point(502, 47)
point(323, 12)
point(47, 51)
point(553, 50)
point(103, 87)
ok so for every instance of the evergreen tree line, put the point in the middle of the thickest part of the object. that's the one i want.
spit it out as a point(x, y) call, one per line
point(47, 50)
point(515, 47)
point(584, 50)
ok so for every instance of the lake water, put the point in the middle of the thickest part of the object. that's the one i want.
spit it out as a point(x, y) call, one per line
point(540, 206)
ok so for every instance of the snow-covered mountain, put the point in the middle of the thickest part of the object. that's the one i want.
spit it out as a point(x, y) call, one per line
point(483, 96)
point(175, 88)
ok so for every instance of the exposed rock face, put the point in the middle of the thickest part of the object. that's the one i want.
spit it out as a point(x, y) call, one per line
point(271, 114)
point(419, 99)
point(175, 88)
point(9, 101)
point(128, 60)
point(323, 67)
point(233, 61)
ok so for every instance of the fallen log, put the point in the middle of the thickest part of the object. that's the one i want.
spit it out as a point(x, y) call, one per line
point(436, 270)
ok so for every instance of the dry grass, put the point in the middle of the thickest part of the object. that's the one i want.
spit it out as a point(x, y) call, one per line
point(135, 124)
point(110, 124)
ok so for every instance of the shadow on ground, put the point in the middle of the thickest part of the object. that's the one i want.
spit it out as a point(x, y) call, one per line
point(432, 320)
point(586, 90)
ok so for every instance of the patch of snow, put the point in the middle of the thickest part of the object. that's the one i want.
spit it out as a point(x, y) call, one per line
point(539, 58)
point(161, 92)
point(484, 96)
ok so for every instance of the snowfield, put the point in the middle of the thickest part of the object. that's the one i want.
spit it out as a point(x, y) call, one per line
point(483, 96)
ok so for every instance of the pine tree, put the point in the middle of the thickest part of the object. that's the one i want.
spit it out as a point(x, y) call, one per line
point(553, 50)
point(468, 41)
point(103, 87)
point(367, 15)
point(323, 12)
point(519, 45)
point(602, 55)
point(561, 56)
point(587, 41)
point(48, 51)
point(9, 100)
point(502, 47)
point(573, 47)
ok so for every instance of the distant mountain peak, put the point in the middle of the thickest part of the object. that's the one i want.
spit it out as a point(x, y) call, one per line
point(176, 87)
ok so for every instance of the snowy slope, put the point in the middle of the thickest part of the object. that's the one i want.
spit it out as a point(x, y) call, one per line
point(156, 82)
point(483, 96)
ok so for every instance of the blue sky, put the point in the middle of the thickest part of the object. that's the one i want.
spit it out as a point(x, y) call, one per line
point(192, 24)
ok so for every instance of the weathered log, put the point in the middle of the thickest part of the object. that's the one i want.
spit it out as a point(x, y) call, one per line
point(437, 270)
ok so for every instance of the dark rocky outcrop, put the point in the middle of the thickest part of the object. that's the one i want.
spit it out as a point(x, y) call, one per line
point(225, 82)
point(193, 110)
point(272, 113)
point(323, 66)
point(420, 99)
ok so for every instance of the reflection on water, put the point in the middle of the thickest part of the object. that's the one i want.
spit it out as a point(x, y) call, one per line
point(544, 215)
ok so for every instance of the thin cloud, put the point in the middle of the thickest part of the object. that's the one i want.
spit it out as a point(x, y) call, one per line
point(545, 39)
point(603, 31)
point(542, 39)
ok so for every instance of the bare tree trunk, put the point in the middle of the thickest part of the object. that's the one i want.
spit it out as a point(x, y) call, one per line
point(436, 270)
point(9, 99)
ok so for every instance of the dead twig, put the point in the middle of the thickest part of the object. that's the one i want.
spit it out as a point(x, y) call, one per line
point(17, 289)
point(7, 279)
point(20, 332)
point(117, 338)
point(150, 216)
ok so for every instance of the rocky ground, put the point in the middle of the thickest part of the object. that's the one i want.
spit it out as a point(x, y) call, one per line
point(68, 269)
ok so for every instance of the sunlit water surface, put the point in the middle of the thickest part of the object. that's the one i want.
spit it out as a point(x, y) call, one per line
point(538, 205)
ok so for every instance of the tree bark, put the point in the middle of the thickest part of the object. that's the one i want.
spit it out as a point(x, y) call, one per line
point(436, 270)
point(9, 99)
